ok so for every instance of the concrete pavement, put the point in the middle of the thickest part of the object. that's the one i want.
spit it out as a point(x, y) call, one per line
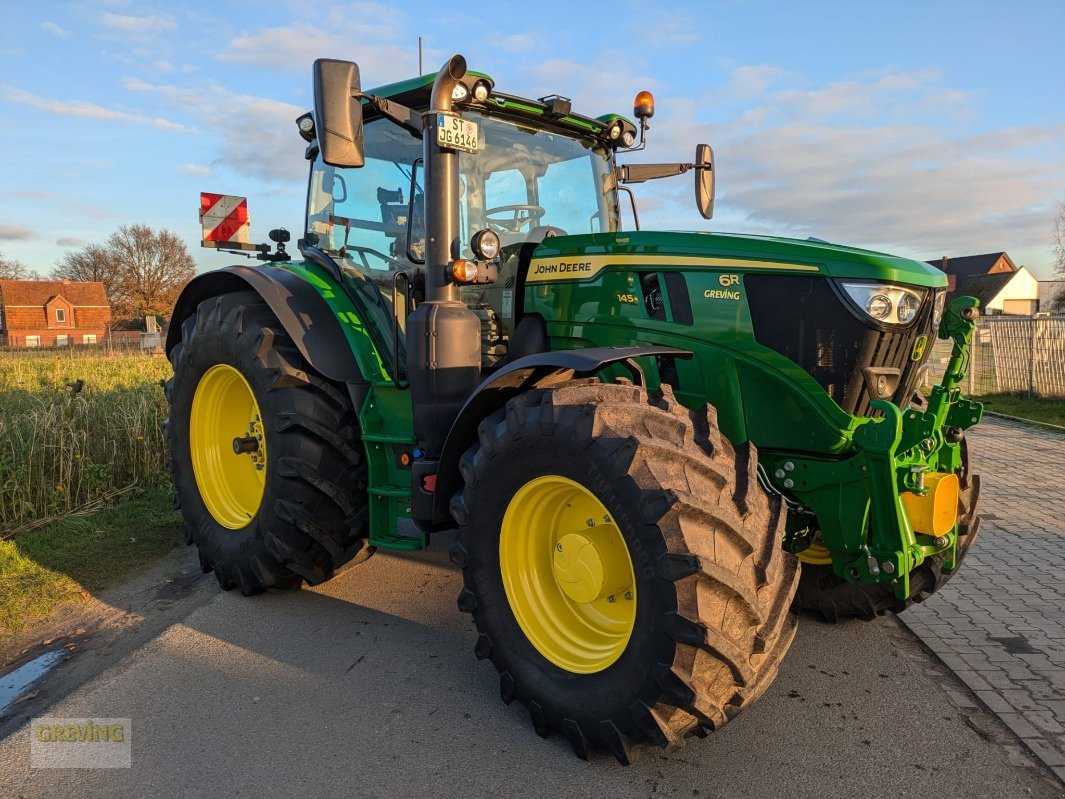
point(368, 687)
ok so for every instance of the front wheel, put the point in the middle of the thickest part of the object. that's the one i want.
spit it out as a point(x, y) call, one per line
point(622, 566)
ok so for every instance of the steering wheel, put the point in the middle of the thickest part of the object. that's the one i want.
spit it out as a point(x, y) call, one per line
point(533, 213)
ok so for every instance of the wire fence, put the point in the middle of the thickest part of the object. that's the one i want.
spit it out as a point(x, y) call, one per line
point(1011, 355)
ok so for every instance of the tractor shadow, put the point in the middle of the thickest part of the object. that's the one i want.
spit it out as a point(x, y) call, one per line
point(383, 654)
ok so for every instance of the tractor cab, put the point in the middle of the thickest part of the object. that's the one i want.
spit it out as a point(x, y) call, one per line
point(529, 179)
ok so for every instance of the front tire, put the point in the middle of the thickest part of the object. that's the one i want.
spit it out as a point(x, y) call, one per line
point(291, 506)
point(678, 533)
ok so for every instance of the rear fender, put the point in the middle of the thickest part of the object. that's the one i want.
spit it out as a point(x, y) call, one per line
point(307, 318)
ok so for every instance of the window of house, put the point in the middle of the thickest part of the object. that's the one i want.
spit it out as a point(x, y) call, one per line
point(61, 316)
point(33, 341)
point(88, 338)
point(62, 341)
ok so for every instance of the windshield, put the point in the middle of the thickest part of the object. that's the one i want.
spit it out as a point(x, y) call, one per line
point(525, 184)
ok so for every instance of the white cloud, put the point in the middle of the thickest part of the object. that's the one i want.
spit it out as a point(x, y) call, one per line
point(753, 80)
point(372, 33)
point(609, 83)
point(889, 160)
point(70, 241)
point(55, 29)
point(82, 108)
point(16, 233)
point(138, 24)
point(163, 66)
point(518, 43)
point(195, 169)
point(257, 135)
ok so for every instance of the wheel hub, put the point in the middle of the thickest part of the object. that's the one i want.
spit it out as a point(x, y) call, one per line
point(578, 568)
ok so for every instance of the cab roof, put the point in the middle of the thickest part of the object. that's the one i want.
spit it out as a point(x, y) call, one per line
point(414, 93)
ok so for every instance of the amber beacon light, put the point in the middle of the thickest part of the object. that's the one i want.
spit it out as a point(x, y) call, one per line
point(644, 107)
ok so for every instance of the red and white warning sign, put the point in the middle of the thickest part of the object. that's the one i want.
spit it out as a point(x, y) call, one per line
point(224, 217)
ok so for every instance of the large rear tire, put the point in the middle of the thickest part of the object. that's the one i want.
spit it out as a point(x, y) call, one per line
point(823, 592)
point(622, 565)
point(292, 505)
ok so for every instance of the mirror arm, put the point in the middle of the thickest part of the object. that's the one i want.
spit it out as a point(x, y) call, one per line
point(640, 173)
point(400, 114)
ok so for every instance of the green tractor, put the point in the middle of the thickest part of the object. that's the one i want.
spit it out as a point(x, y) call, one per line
point(637, 435)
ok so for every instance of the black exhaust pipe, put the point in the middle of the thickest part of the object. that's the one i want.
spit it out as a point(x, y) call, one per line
point(443, 335)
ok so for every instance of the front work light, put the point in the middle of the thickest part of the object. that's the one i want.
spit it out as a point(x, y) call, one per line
point(485, 244)
point(885, 302)
point(306, 126)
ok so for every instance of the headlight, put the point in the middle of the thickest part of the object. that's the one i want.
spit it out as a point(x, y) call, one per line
point(907, 308)
point(937, 309)
point(885, 302)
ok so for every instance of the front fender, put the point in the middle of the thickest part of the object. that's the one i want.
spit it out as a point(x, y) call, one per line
point(541, 370)
point(307, 318)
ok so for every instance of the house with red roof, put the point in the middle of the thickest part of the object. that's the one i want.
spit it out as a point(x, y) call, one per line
point(51, 313)
point(1001, 286)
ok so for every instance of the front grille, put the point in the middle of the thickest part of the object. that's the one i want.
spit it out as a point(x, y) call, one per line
point(804, 319)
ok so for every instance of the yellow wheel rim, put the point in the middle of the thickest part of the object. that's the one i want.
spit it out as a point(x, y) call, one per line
point(224, 411)
point(568, 574)
point(817, 553)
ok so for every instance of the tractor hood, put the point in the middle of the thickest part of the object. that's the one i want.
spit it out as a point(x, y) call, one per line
point(831, 260)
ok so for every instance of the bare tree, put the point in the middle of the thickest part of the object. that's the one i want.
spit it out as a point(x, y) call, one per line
point(1057, 303)
point(152, 268)
point(11, 269)
point(89, 264)
point(142, 271)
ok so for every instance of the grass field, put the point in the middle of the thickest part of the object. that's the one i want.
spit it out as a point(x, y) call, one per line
point(64, 451)
point(60, 561)
point(84, 493)
point(1051, 411)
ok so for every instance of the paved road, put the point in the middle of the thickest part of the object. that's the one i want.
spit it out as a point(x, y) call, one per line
point(368, 687)
point(1000, 624)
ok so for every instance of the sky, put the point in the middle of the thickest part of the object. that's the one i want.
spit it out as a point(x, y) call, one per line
point(918, 128)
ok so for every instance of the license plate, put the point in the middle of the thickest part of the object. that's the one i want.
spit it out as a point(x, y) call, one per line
point(456, 133)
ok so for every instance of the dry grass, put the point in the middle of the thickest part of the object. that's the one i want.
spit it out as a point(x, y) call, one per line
point(66, 452)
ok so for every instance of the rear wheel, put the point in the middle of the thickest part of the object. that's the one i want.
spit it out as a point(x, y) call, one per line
point(822, 591)
point(264, 452)
point(622, 565)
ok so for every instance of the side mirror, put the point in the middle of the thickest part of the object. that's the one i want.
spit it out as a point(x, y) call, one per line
point(704, 180)
point(337, 114)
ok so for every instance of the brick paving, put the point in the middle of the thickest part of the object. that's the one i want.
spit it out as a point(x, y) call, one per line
point(1000, 623)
